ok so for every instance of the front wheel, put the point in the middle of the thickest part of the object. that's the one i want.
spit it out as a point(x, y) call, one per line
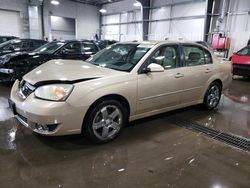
point(105, 121)
point(212, 96)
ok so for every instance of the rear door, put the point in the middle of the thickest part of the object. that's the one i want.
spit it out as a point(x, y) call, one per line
point(198, 69)
point(160, 90)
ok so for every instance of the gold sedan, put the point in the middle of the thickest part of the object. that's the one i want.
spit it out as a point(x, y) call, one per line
point(121, 83)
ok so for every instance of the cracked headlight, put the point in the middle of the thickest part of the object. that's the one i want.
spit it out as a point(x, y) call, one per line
point(54, 92)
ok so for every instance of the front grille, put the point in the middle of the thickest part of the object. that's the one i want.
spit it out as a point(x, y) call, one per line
point(25, 89)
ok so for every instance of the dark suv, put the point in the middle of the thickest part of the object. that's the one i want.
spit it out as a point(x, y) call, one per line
point(14, 66)
point(20, 45)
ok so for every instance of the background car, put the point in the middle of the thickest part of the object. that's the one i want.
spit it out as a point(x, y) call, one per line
point(105, 43)
point(122, 83)
point(241, 62)
point(20, 45)
point(6, 38)
point(14, 66)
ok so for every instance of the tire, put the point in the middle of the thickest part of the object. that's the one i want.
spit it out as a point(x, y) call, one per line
point(212, 96)
point(105, 121)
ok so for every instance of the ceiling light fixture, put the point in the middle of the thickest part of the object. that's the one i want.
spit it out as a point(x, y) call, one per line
point(102, 10)
point(55, 2)
point(137, 4)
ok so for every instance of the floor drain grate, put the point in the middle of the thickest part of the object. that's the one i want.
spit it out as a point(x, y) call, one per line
point(235, 141)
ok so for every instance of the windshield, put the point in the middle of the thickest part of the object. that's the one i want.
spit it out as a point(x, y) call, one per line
point(10, 42)
point(49, 48)
point(244, 52)
point(122, 57)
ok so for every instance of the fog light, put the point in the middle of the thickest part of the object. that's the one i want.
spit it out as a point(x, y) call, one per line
point(46, 128)
point(40, 127)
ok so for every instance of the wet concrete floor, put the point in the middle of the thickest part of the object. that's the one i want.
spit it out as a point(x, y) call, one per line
point(149, 153)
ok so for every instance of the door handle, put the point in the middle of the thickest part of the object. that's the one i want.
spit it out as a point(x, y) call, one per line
point(208, 71)
point(179, 75)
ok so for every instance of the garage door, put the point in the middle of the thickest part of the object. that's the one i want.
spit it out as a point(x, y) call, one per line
point(10, 23)
point(62, 28)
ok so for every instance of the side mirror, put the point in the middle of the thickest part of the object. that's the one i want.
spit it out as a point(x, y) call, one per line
point(153, 67)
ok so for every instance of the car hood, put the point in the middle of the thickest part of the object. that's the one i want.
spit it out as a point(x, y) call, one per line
point(67, 71)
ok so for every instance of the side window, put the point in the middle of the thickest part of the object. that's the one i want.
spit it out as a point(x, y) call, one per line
point(166, 56)
point(194, 56)
point(72, 48)
point(36, 44)
point(208, 57)
point(89, 48)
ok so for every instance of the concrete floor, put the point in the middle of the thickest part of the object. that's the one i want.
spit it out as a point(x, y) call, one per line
point(149, 153)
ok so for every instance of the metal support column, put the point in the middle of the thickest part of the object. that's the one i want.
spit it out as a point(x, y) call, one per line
point(145, 18)
point(209, 9)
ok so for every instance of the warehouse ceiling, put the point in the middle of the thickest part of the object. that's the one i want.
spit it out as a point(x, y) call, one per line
point(96, 2)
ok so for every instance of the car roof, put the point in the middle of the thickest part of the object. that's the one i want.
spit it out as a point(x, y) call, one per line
point(28, 39)
point(153, 43)
point(67, 41)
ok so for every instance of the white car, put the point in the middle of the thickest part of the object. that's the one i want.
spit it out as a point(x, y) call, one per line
point(121, 83)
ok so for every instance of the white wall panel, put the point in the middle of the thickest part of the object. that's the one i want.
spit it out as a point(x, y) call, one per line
point(110, 32)
point(160, 13)
point(238, 23)
point(196, 8)
point(120, 6)
point(10, 23)
point(34, 25)
point(131, 32)
point(157, 3)
point(240, 5)
point(111, 19)
point(187, 29)
point(124, 17)
point(238, 40)
point(134, 16)
point(159, 30)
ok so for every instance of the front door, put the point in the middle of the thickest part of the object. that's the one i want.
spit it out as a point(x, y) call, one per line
point(159, 90)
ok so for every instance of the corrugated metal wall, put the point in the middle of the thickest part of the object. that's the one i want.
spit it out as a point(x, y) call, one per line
point(177, 19)
point(182, 19)
point(236, 23)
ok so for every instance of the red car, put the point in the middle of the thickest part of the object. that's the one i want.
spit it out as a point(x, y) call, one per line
point(241, 62)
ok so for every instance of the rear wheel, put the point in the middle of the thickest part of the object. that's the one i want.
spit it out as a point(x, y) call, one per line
point(212, 96)
point(105, 121)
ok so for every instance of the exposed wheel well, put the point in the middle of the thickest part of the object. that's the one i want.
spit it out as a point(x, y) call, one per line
point(117, 97)
point(219, 82)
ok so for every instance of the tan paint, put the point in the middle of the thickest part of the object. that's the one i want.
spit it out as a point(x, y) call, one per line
point(147, 94)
